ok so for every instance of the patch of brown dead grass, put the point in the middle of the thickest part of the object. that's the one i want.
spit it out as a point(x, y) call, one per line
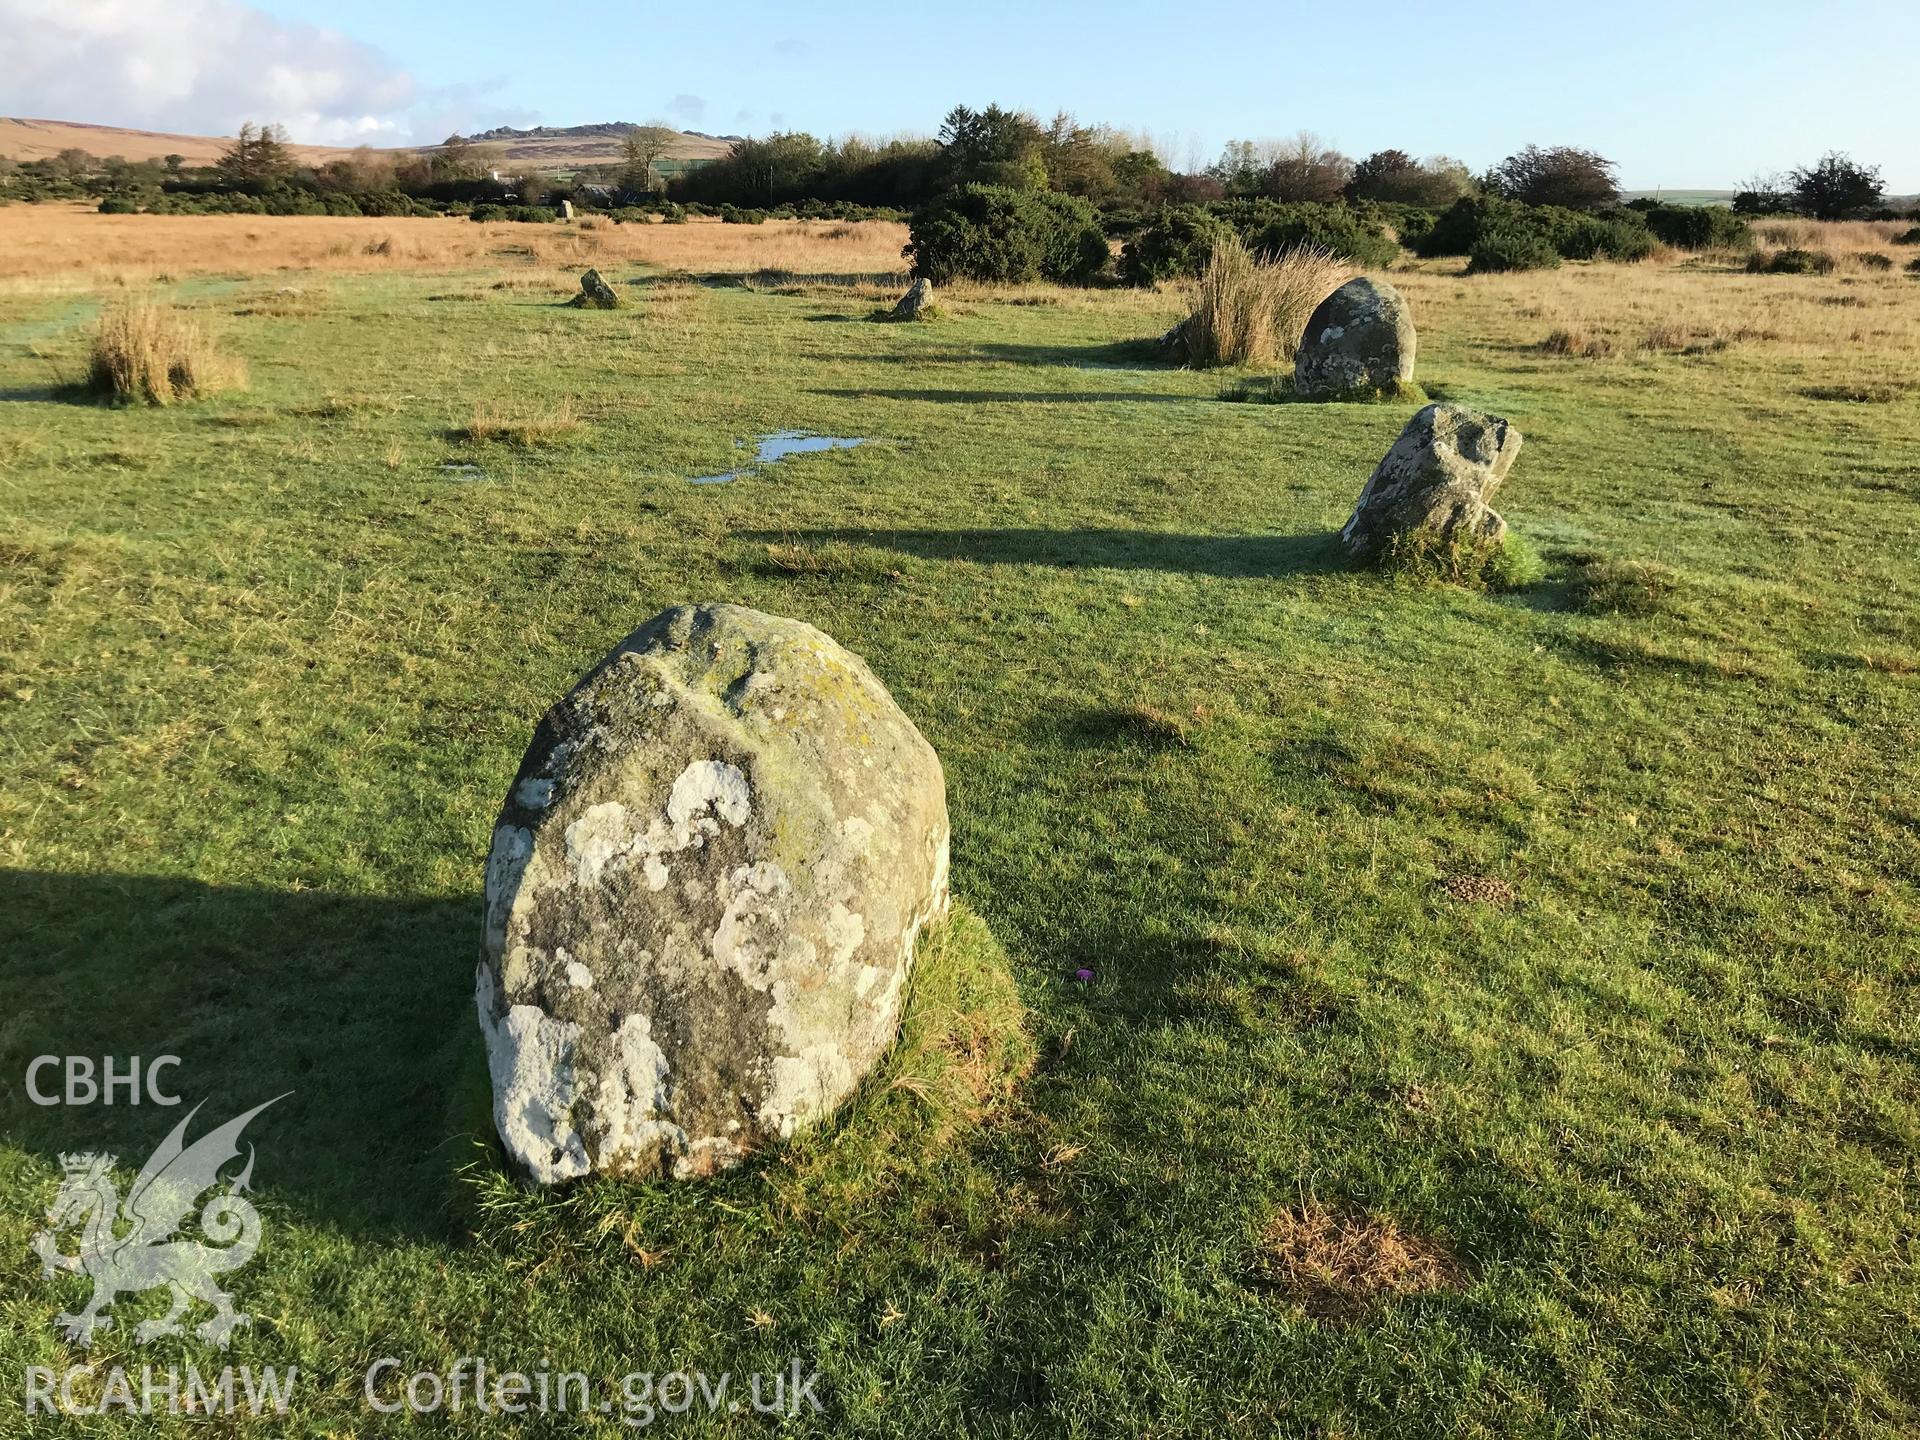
point(1335, 1266)
point(56, 247)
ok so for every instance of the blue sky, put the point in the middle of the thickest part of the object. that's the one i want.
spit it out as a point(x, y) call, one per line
point(1680, 94)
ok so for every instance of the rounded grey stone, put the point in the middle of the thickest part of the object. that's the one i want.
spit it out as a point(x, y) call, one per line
point(702, 898)
point(1360, 338)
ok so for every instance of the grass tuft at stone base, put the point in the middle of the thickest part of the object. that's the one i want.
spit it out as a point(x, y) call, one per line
point(1509, 563)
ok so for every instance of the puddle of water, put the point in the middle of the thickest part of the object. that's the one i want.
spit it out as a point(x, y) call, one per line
point(782, 443)
point(772, 449)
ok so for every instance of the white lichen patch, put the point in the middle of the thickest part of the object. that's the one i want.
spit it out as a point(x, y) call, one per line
point(579, 976)
point(709, 783)
point(633, 1104)
point(845, 931)
point(596, 840)
point(534, 794)
point(506, 863)
point(605, 836)
point(530, 1057)
point(753, 923)
point(806, 1085)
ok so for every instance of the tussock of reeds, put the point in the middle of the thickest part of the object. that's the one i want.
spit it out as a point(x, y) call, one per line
point(1252, 309)
point(143, 353)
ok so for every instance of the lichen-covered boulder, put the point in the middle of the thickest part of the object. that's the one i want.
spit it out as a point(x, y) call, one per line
point(1359, 341)
point(1437, 482)
point(914, 301)
point(595, 293)
point(702, 898)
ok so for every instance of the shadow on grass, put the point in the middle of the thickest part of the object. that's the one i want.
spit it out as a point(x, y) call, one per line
point(53, 393)
point(360, 1005)
point(1314, 553)
point(1020, 397)
point(1129, 355)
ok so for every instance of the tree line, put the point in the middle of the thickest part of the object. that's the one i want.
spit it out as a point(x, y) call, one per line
point(1113, 170)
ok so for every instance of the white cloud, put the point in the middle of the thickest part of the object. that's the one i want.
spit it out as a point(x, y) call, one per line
point(688, 107)
point(200, 67)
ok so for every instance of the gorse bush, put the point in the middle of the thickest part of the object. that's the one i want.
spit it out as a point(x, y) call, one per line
point(1174, 243)
point(1329, 228)
point(1468, 225)
point(1617, 235)
point(1698, 227)
point(1251, 309)
point(1873, 260)
point(1411, 224)
point(1179, 240)
point(1005, 236)
point(1908, 237)
point(528, 214)
point(1498, 251)
point(142, 353)
point(1791, 262)
point(1075, 251)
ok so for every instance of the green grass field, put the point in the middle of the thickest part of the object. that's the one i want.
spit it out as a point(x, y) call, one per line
point(1568, 933)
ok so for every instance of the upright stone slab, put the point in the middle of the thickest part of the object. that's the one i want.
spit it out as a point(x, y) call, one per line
point(702, 898)
point(596, 293)
point(1359, 340)
point(1437, 481)
point(914, 301)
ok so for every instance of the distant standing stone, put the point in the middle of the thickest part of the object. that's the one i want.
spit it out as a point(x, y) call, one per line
point(1359, 339)
point(914, 301)
point(1438, 479)
point(566, 209)
point(702, 898)
point(595, 293)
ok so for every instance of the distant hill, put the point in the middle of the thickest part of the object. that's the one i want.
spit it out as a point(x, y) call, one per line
point(1681, 197)
point(41, 139)
point(563, 147)
point(547, 147)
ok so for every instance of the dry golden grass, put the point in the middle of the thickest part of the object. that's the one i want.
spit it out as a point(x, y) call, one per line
point(143, 353)
point(1610, 312)
point(69, 247)
point(1334, 1266)
point(492, 425)
point(1842, 239)
point(1251, 311)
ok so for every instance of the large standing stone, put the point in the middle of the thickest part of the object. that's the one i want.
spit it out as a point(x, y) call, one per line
point(702, 898)
point(1437, 481)
point(1360, 339)
point(914, 301)
point(595, 293)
